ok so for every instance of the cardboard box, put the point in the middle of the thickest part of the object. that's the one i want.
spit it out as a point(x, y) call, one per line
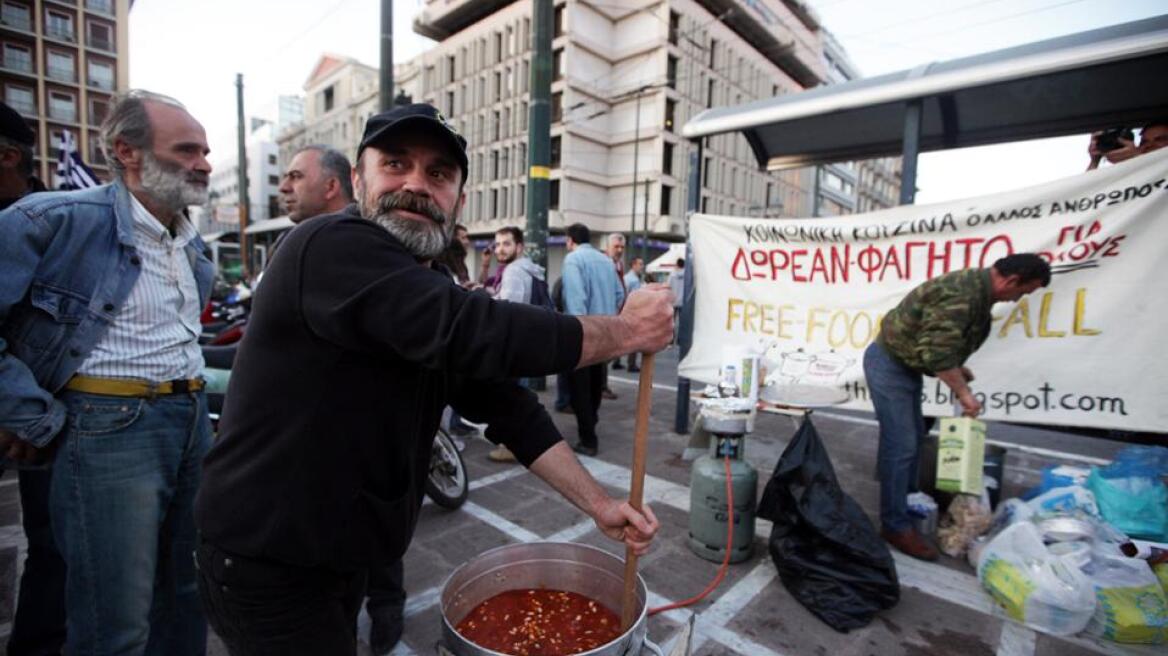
point(960, 455)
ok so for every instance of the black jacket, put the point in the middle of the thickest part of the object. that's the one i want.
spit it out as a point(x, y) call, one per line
point(351, 354)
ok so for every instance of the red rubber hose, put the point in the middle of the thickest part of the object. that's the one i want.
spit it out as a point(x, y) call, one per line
point(725, 566)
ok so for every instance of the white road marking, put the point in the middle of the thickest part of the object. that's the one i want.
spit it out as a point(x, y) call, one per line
point(1016, 640)
point(513, 530)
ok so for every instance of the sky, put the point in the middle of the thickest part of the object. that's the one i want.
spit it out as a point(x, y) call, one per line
point(276, 43)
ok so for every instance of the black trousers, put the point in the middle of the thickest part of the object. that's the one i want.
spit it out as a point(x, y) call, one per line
point(39, 626)
point(260, 607)
point(586, 386)
point(386, 590)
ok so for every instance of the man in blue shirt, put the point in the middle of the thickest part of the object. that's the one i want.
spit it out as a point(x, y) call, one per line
point(632, 284)
point(591, 286)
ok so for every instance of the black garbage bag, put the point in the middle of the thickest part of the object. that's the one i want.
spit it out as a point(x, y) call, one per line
point(828, 554)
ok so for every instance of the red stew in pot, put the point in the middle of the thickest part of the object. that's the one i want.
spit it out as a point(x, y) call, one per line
point(540, 623)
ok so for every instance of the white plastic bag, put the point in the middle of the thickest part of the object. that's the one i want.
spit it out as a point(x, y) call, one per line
point(1045, 592)
point(1131, 606)
point(1065, 500)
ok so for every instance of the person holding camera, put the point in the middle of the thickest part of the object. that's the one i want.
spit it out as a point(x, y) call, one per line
point(1118, 144)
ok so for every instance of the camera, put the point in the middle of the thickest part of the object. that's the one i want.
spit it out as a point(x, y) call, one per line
point(1108, 140)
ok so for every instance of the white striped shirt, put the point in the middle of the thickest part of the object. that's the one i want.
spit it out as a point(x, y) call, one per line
point(155, 333)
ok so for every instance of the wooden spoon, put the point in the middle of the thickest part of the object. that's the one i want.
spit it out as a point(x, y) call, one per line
point(637, 491)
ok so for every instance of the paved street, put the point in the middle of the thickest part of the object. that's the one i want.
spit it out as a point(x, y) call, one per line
point(942, 609)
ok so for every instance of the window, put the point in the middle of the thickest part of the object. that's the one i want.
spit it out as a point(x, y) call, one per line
point(99, 35)
point(526, 34)
point(450, 68)
point(494, 211)
point(272, 160)
point(61, 66)
point(101, 74)
point(705, 204)
point(17, 58)
point(505, 166)
point(98, 110)
point(525, 77)
point(713, 50)
point(273, 207)
point(707, 169)
point(666, 200)
point(558, 64)
point(558, 21)
point(670, 109)
point(58, 25)
point(710, 94)
point(557, 106)
point(20, 98)
point(96, 154)
point(498, 47)
point(449, 103)
point(503, 195)
point(522, 159)
point(667, 159)
point(554, 152)
point(674, 26)
point(328, 99)
point(494, 164)
point(274, 180)
point(62, 106)
point(554, 195)
point(671, 72)
point(17, 15)
point(498, 87)
point(523, 115)
point(104, 6)
point(506, 121)
point(522, 196)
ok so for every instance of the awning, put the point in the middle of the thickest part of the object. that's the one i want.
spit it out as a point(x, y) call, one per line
point(1068, 85)
point(667, 262)
point(213, 236)
point(268, 225)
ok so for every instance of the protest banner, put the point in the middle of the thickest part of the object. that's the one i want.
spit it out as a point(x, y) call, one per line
point(1088, 350)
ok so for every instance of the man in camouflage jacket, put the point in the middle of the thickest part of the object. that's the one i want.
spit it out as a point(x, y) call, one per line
point(933, 330)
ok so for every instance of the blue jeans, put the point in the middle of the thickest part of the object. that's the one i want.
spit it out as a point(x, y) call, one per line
point(122, 506)
point(896, 393)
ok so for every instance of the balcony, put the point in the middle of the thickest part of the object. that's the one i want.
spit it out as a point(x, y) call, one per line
point(59, 34)
point(100, 6)
point(63, 113)
point(18, 65)
point(62, 74)
point(25, 108)
point(17, 22)
point(104, 84)
point(104, 45)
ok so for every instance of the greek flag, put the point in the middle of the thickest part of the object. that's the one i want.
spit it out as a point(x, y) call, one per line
point(72, 173)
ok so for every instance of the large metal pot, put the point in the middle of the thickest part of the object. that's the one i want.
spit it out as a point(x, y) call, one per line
point(576, 568)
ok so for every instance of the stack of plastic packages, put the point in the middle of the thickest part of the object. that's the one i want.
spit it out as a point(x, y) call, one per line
point(1070, 559)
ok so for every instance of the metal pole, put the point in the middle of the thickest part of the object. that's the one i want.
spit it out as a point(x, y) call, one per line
point(636, 161)
point(644, 228)
point(539, 134)
point(539, 137)
point(912, 148)
point(385, 95)
point(244, 197)
point(685, 329)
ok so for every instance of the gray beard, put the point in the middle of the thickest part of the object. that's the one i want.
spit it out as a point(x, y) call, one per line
point(170, 187)
point(425, 240)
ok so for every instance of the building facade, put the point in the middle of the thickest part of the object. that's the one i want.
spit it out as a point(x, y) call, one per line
point(61, 61)
point(626, 77)
point(263, 182)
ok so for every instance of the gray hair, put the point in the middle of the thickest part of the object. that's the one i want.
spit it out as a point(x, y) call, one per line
point(26, 154)
point(129, 122)
point(333, 163)
point(615, 238)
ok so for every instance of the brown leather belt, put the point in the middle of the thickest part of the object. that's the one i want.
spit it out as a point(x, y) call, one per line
point(133, 387)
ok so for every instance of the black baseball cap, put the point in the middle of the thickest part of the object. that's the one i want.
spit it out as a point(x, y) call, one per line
point(417, 116)
point(14, 127)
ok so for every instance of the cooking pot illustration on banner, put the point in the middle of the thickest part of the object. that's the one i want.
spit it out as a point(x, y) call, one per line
point(799, 366)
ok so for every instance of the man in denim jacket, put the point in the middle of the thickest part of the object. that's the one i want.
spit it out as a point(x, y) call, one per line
point(591, 286)
point(100, 292)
